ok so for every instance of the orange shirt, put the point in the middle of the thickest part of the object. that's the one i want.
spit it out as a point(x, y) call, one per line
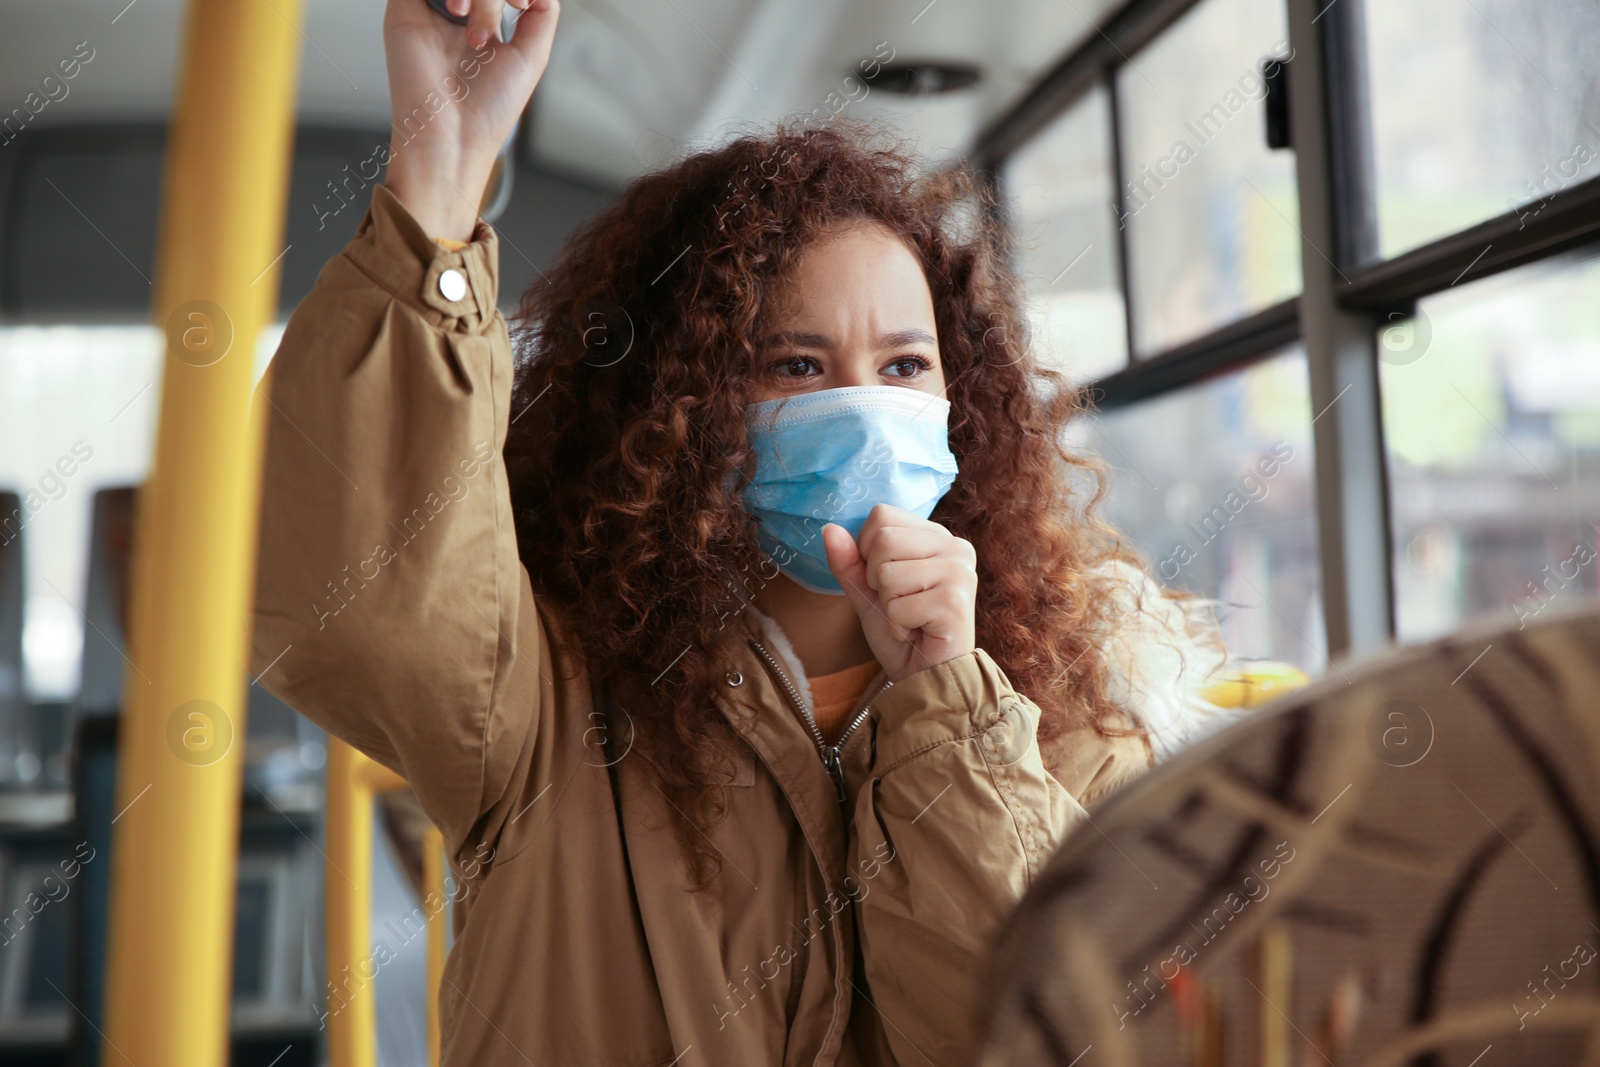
point(835, 695)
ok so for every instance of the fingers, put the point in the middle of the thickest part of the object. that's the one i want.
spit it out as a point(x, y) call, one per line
point(844, 559)
point(483, 21)
point(937, 612)
point(905, 577)
point(897, 543)
point(885, 517)
point(535, 30)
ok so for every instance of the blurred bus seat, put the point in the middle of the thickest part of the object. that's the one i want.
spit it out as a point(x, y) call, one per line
point(1398, 864)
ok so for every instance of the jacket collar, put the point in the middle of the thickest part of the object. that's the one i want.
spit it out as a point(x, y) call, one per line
point(766, 629)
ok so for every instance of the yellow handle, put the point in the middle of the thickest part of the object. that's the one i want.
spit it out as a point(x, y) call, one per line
point(1251, 683)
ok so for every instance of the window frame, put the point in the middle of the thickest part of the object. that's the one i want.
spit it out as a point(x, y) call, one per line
point(1348, 292)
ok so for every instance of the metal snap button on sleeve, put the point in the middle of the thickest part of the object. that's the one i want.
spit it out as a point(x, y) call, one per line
point(452, 284)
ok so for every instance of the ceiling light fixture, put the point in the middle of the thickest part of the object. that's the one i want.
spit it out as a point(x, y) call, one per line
point(923, 77)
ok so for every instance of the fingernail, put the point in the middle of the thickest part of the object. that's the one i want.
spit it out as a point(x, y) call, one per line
point(477, 37)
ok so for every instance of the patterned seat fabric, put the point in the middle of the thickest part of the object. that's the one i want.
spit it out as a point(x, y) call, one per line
point(1399, 864)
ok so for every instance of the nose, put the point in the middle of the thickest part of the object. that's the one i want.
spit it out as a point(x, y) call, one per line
point(855, 369)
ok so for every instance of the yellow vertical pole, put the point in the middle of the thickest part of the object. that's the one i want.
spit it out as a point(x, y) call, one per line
point(352, 1017)
point(434, 886)
point(352, 995)
point(1275, 970)
point(183, 721)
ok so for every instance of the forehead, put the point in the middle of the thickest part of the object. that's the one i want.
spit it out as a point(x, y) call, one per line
point(859, 270)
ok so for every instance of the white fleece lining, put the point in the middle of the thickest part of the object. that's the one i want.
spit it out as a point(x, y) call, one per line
point(780, 646)
point(1156, 671)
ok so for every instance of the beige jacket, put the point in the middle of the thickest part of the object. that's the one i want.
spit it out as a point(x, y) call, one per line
point(393, 610)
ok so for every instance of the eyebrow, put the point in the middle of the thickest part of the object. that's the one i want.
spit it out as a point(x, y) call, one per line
point(800, 339)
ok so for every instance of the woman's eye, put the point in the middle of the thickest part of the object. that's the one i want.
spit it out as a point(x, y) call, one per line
point(801, 367)
point(917, 366)
point(793, 366)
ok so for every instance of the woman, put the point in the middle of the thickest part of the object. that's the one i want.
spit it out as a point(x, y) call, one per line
point(726, 783)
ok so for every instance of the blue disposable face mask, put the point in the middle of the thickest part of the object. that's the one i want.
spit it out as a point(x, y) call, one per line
point(834, 454)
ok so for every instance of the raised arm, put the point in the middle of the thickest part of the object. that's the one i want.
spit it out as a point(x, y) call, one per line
point(391, 607)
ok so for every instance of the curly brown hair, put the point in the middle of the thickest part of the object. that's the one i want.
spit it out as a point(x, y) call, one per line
point(636, 360)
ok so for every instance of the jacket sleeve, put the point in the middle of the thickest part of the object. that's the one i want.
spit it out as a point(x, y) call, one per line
point(391, 605)
point(955, 820)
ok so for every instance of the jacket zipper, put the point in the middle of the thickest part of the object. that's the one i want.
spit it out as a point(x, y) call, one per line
point(830, 753)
